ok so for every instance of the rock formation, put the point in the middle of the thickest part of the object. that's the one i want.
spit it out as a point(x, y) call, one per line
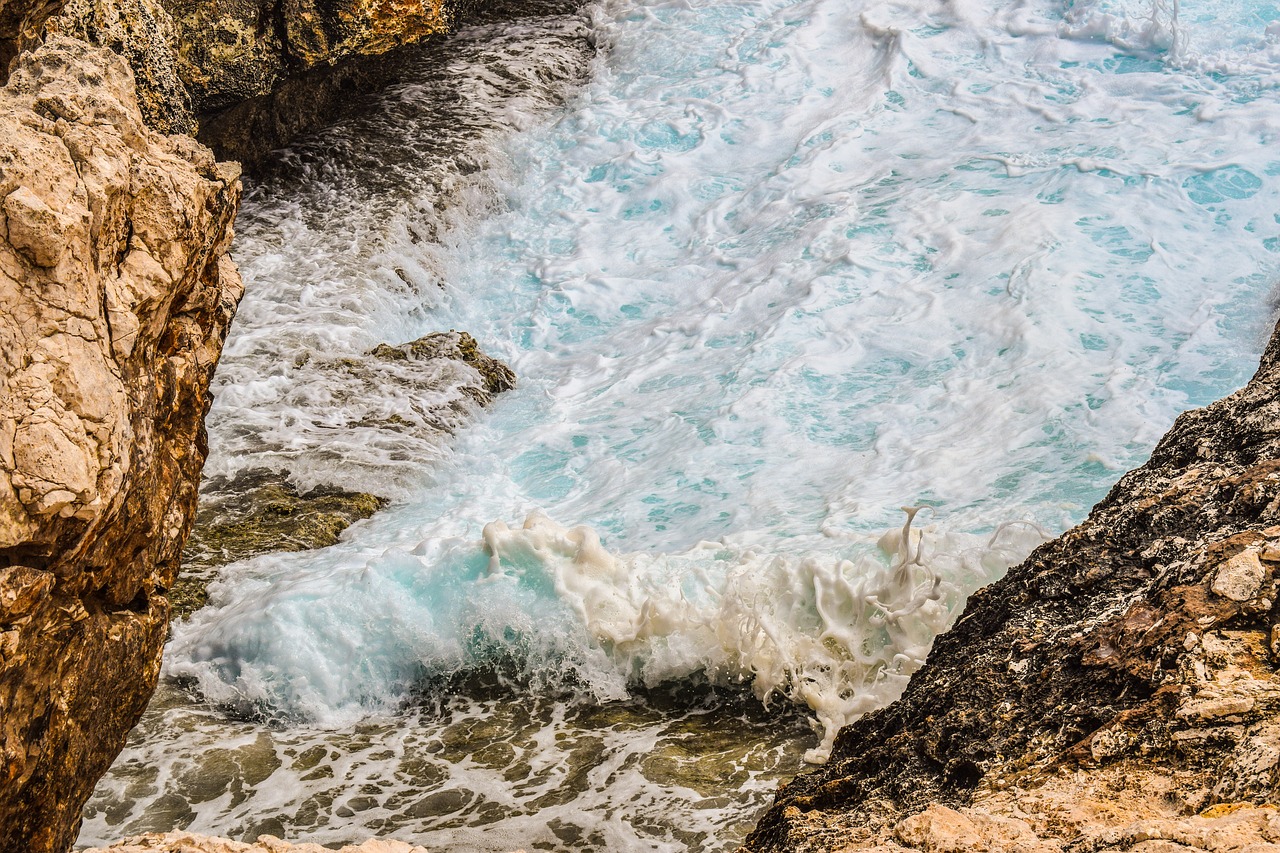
point(1116, 691)
point(444, 378)
point(256, 513)
point(117, 290)
point(261, 71)
point(248, 74)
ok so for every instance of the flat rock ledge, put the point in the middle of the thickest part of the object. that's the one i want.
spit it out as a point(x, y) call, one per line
point(1119, 690)
point(186, 842)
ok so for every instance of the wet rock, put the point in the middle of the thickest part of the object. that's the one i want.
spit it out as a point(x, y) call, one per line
point(495, 377)
point(1117, 682)
point(261, 72)
point(118, 290)
point(443, 377)
point(260, 512)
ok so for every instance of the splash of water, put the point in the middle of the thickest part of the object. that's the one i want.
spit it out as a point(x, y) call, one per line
point(840, 636)
point(774, 268)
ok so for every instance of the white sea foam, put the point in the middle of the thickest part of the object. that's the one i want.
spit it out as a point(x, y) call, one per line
point(838, 635)
point(354, 260)
point(775, 269)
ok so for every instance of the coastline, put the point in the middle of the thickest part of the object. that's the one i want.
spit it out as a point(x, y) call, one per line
point(1115, 690)
point(1125, 672)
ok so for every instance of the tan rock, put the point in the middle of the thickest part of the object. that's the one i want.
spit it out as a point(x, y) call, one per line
point(1240, 577)
point(143, 32)
point(33, 228)
point(117, 291)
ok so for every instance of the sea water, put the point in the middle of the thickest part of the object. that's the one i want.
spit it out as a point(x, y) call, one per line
point(824, 313)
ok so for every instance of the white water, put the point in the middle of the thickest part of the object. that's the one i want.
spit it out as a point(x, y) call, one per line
point(774, 270)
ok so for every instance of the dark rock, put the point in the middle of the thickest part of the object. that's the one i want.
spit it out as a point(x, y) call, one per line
point(495, 377)
point(255, 89)
point(1137, 640)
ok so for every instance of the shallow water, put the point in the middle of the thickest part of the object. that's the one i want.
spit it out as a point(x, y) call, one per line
point(768, 272)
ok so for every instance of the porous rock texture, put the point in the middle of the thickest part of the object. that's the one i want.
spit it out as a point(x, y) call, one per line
point(261, 71)
point(238, 49)
point(143, 32)
point(246, 75)
point(1116, 691)
point(117, 292)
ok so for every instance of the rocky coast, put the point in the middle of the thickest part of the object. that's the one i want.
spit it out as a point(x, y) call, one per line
point(118, 291)
point(1115, 691)
point(186, 842)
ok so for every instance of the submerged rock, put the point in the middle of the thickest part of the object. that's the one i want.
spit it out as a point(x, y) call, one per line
point(188, 842)
point(1118, 688)
point(495, 377)
point(442, 378)
point(118, 290)
point(256, 513)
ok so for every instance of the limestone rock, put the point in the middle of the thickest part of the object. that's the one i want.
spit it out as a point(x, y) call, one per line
point(261, 71)
point(286, 64)
point(21, 26)
point(241, 49)
point(118, 291)
point(187, 842)
point(247, 76)
point(144, 34)
point(1118, 682)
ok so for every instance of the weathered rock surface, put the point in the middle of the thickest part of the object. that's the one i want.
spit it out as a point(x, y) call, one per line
point(260, 512)
point(144, 34)
point(21, 26)
point(254, 72)
point(1119, 682)
point(117, 290)
point(240, 49)
point(261, 71)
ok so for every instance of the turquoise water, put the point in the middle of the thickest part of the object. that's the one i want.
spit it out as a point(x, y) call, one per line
point(769, 272)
